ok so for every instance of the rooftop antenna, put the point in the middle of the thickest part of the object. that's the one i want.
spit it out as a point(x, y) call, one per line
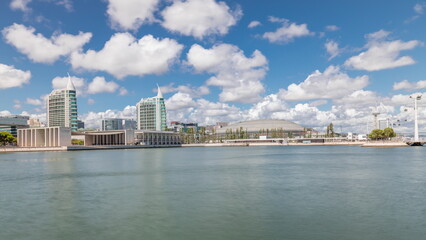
point(70, 84)
point(159, 93)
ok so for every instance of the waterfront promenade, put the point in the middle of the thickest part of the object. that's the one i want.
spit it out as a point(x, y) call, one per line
point(383, 144)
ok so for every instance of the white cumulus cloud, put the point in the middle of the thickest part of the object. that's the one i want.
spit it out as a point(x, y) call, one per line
point(199, 18)
point(239, 76)
point(41, 49)
point(359, 99)
point(254, 24)
point(12, 77)
point(332, 48)
point(266, 108)
point(287, 32)
point(100, 85)
point(332, 28)
point(20, 5)
point(124, 55)
point(188, 89)
point(33, 101)
point(406, 85)
point(131, 14)
point(180, 101)
point(419, 8)
point(382, 53)
point(331, 84)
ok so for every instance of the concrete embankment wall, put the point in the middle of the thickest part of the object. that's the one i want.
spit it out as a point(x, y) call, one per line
point(385, 144)
point(32, 149)
point(79, 148)
point(268, 144)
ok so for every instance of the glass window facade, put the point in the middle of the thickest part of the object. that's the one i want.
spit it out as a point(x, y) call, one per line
point(151, 114)
point(62, 109)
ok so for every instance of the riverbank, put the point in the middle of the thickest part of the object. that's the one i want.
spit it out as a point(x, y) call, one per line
point(34, 149)
point(269, 144)
point(84, 148)
point(78, 148)
point(385, 144)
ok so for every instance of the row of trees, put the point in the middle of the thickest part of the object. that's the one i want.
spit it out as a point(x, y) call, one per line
point(7, 139)
point(386, 133)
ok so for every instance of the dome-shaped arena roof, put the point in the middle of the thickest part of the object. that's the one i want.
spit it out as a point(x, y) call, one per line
point(257, 125)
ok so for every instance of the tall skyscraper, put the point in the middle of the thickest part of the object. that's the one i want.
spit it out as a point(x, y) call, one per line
point(62, 107)
point(151, 113)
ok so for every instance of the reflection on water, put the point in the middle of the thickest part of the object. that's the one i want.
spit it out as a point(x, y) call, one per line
point(324, 192)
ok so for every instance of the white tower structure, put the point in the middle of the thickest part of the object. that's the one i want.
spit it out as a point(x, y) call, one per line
point(376, 113)
point(62, 107)
point(151, 113)
point(416, 126)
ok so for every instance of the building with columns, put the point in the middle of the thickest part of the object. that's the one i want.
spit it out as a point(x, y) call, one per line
point(61, 136)
point(44, 137)
point(129, 137)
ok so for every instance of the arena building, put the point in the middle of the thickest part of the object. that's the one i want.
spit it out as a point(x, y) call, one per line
point(265, 127)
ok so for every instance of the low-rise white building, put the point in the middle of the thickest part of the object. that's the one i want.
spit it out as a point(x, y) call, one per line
point(44, 137)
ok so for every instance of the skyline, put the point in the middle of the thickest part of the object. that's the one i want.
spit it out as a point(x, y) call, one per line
point(308, 62)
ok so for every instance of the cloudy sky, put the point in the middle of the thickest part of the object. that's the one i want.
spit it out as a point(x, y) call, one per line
point(308, 61)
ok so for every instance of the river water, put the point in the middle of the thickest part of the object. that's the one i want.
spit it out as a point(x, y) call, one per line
point(300, 192)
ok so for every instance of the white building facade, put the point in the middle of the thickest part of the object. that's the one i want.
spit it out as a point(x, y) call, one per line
point(62, 107)
point(44, 137)
point(151, 113)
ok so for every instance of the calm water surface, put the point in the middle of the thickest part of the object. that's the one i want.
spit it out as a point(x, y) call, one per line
point(311, 192)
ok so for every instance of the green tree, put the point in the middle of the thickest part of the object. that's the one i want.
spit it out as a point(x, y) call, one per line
point(377, 134)
point(389, 133)
point(77, 142)
point(7, 139)
point(331, 127)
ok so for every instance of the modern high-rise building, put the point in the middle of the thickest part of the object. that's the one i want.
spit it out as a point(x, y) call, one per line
point(117, 124)
point(80, 124)
point(62, 107)
point(12, 123)
point(151, 113)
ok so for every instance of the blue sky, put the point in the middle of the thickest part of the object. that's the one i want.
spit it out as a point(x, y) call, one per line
point(312, 62)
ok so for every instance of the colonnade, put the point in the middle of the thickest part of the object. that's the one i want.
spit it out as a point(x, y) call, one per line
point(109, 139)
point(44, 137)
point(157, 138)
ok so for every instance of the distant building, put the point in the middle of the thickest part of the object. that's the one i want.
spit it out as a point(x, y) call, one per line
point(266, 127)
point(34, 122)
point(117, 124)
point(12, 123)
point(111, 124)
point(151, 113)
point(62, 107)
point(80, 124)
point(221, 124)
point(129, 124)
point(183, 127)
point(384, 123)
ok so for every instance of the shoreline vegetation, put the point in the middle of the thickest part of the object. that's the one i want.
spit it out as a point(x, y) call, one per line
point(379, 144)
